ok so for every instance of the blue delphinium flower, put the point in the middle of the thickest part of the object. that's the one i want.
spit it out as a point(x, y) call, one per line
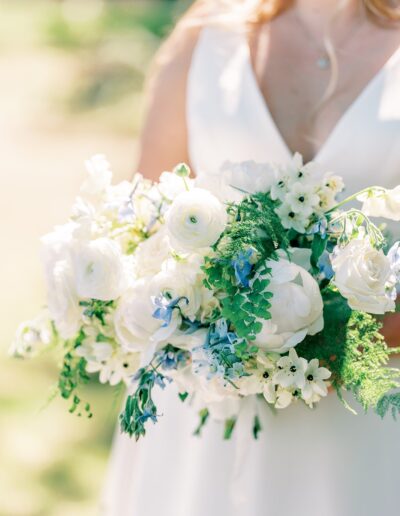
point(320, 227)
point(219, 353)
point(171, 358)
point(243, 267)
point(165, 308)
point(325, 266)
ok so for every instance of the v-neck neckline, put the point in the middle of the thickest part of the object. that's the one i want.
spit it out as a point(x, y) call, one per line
point(340, 122)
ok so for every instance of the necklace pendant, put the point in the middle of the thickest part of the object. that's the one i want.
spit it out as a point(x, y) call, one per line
point(323, 63)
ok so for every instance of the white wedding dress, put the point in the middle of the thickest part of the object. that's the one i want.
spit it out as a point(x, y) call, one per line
point(325, 462)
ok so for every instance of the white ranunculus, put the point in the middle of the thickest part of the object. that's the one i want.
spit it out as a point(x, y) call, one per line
point(98, 269)
point(177, 280)
point(151, 253)
point(135, 326)
point(296, 307)
point(364, 277)
point(195, 220)
point(62, 299)
point(385, 203)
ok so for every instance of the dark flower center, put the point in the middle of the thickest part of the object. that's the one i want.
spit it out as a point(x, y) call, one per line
point(125, 364)
point(293, 369)
point(291, 214)
point(266, 374)
point(310, 378)
point(302, 198)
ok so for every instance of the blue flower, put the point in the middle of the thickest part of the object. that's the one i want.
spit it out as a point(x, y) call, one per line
point(172, 358)
point(165, 308)
point(243, 267)
point(219, 334)
point(325, 266)
point(320, 227)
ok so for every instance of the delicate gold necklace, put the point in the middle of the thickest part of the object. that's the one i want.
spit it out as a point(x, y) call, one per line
point(324, 60)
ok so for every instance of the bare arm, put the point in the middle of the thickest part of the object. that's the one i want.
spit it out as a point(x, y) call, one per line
point(163, 141)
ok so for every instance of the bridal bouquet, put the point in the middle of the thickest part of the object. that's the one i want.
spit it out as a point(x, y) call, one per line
point(257, 283)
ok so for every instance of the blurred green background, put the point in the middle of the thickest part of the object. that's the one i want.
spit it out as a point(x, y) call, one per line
point(71, 85)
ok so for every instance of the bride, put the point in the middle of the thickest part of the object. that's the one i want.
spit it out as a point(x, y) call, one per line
point(261, 79)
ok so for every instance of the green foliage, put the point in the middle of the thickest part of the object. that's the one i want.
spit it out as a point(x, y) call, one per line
point(353, 349)
point(229, 428)
point(140, 407)
point(96, 309)
point(256, 227)
point(203, 415)
point(318, 246)
point(72, 376)
point(256, 427)
point(389, 403)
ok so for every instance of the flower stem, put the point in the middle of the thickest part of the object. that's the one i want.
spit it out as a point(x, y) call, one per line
point(370, 189)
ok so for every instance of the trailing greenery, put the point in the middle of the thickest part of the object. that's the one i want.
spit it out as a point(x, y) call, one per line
point(389, 403)
point(72, 376)
point(140, 407)
point(353, 349)
point(253, 236)
point(229, 428)
point(204, 414)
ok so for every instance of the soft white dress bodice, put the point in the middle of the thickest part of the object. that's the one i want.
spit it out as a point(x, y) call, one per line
point(325, 462)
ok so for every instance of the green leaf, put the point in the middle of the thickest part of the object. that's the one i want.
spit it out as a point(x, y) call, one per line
point(229, 428)
point(318, 246)
point(256, 427)
point(204, 415)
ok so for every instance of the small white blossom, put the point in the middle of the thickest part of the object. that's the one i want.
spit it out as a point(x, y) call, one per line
point(302, 199)
point(117, 367)
point(315, 385)
point(291, 371)
point(292, 220)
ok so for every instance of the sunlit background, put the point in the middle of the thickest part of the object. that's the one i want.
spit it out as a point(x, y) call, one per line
point(71, 85)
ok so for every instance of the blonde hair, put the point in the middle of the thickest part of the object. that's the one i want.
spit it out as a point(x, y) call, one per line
point(255, 11)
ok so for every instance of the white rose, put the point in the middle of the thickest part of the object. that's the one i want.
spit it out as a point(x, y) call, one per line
point(296, 307)
point(151, 253)
point(385, 203)
point(62, 299)
point(364, 277)
point(195, 220)
point(135, 326)
point(98, 268)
